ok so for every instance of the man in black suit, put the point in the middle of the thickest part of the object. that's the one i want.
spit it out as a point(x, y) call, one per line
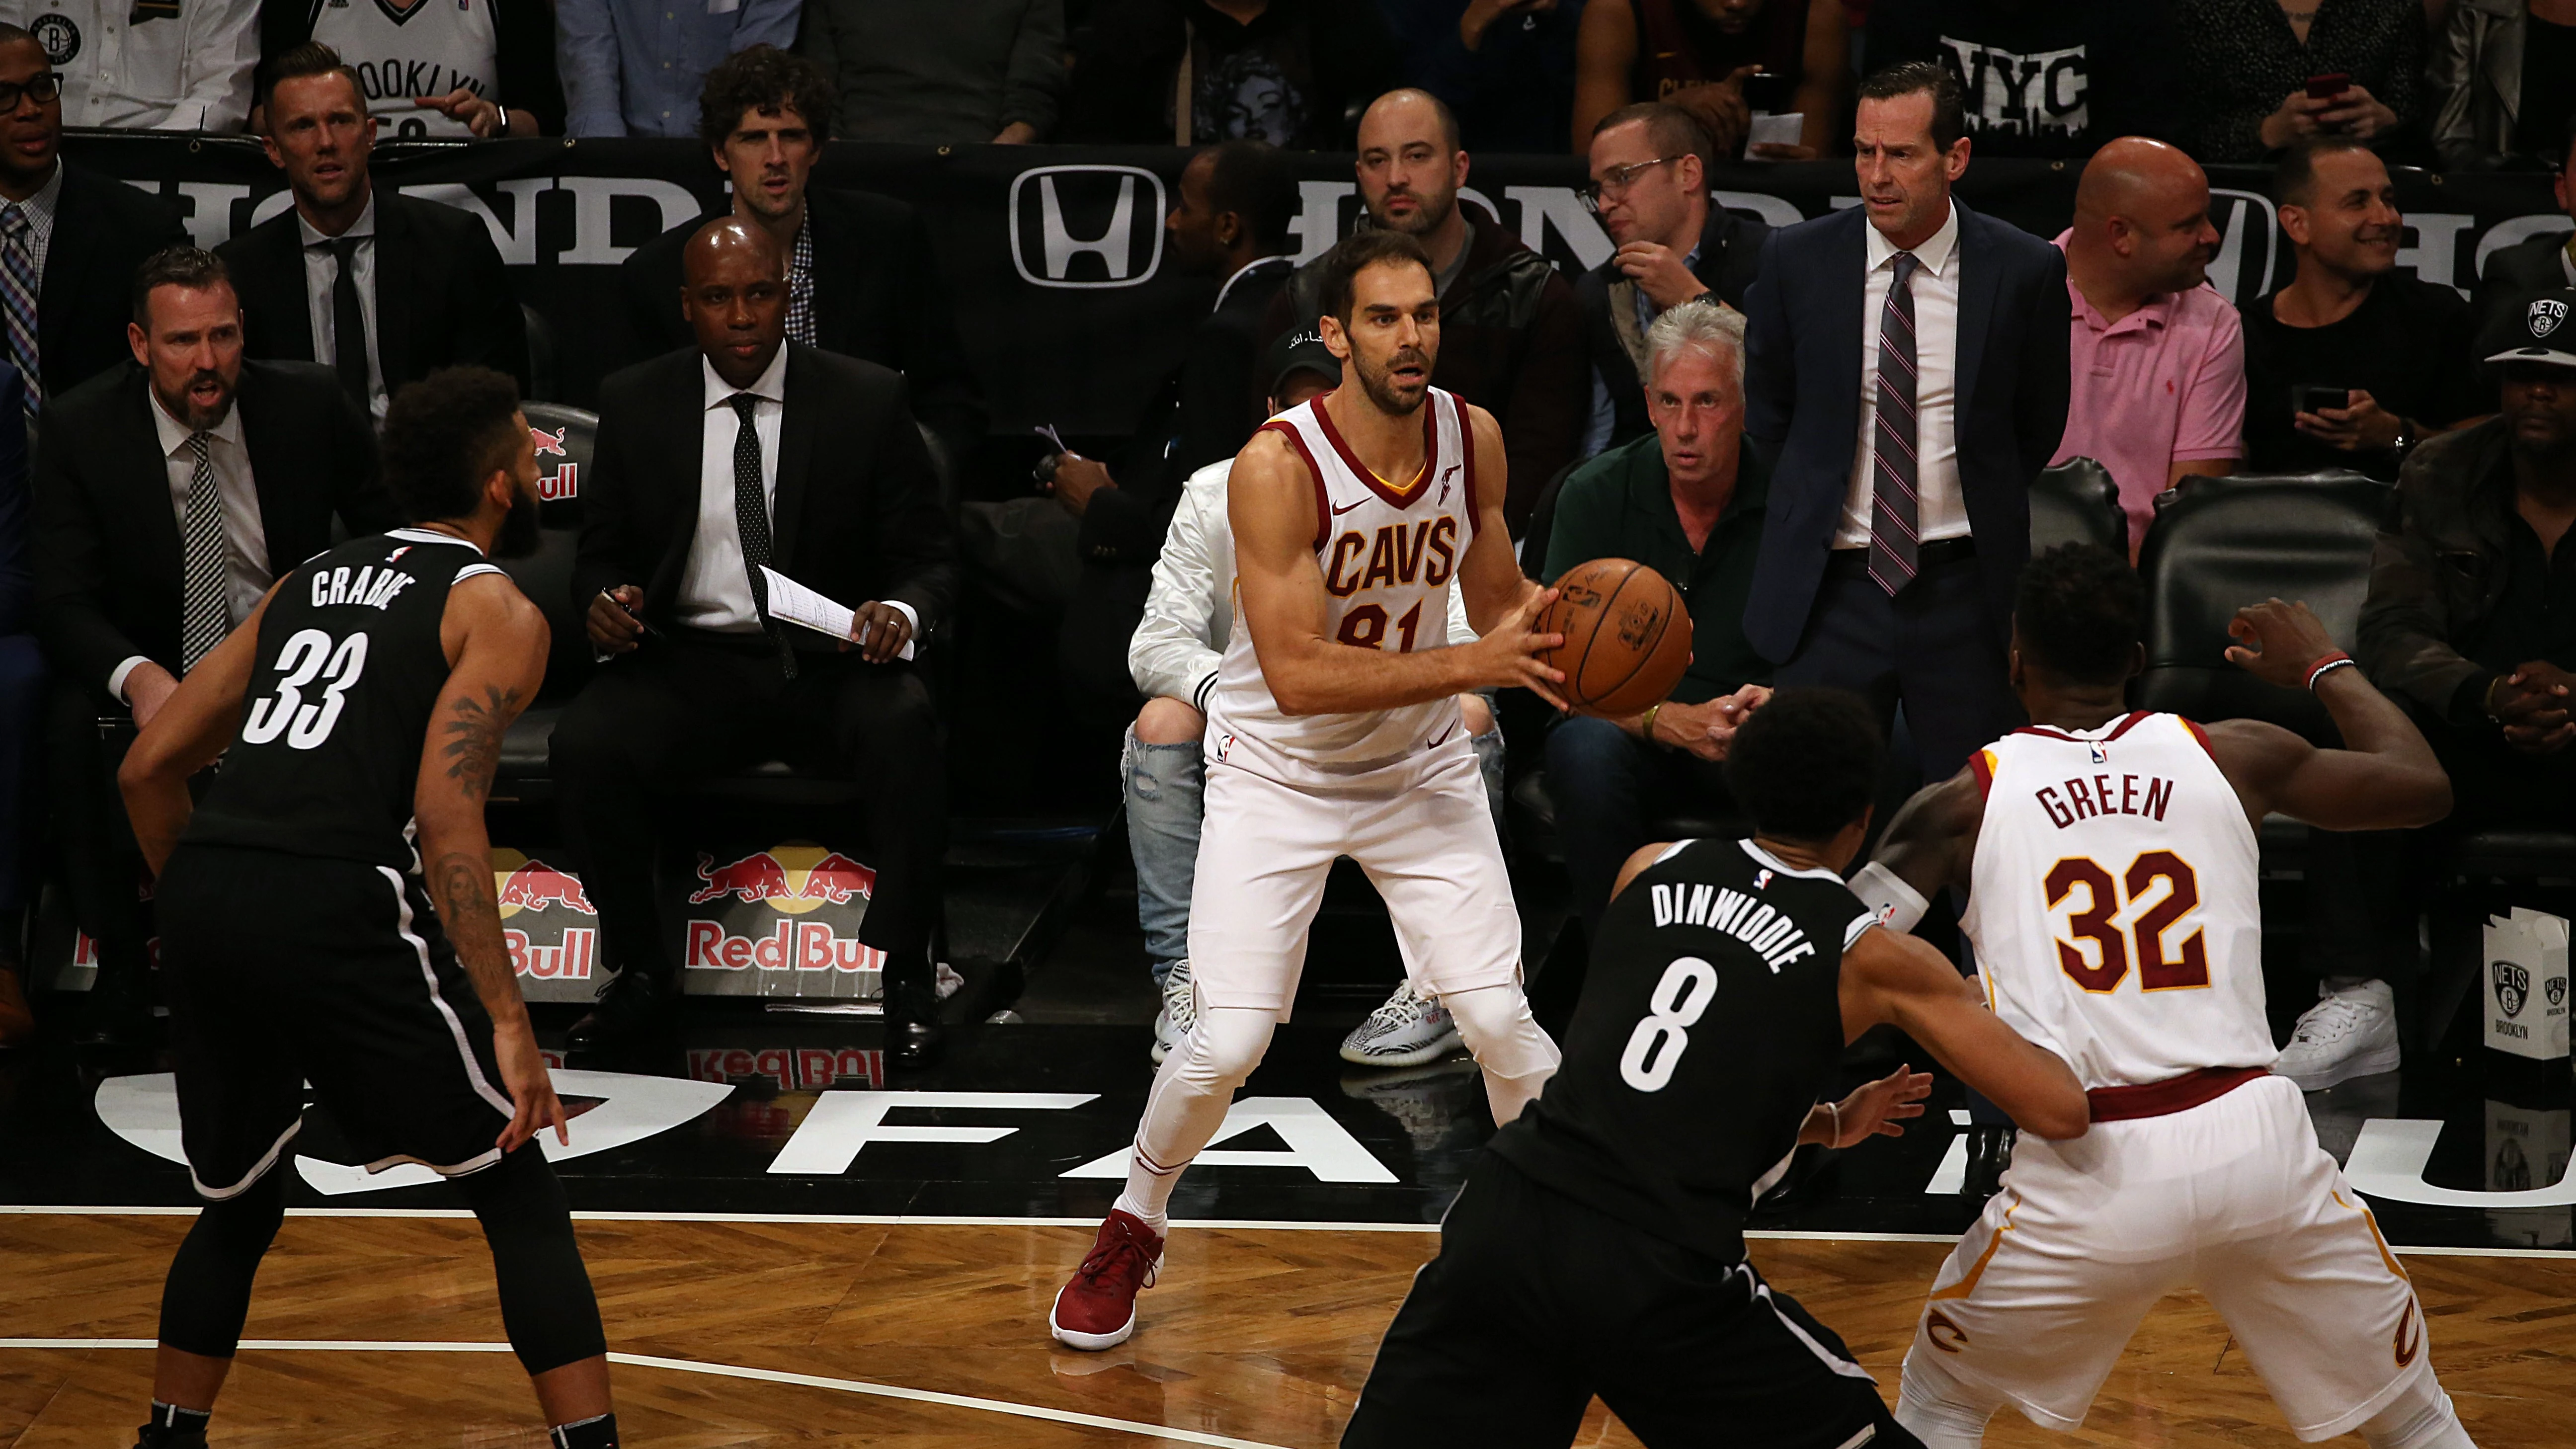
point(862, 278)
point(1650, 169)
point(168, 497)
point(70, 238)
point(1907, 381)
point(22, 695)
point(742, 451)
point(2534, 264)
point(1237, 201)
point(408, 286)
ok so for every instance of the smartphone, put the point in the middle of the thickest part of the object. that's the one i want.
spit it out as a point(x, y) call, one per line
point(1765, 93)
point(2328, 86)
point(2317, 399)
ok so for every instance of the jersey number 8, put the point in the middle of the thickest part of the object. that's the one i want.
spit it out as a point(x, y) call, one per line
point(2159, 969)
point(308, 656)
point(1655, 1048)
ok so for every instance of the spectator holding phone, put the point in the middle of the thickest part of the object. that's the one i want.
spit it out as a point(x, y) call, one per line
point(2350, 365)
point(2259, 75)
point(1721, 60)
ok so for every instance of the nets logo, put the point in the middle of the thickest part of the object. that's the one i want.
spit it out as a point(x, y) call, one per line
point(2512, 986)
point(1087, 226)
point(2545, 316)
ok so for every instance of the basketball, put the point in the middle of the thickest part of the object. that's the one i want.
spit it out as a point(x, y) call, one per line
point(1627, 637)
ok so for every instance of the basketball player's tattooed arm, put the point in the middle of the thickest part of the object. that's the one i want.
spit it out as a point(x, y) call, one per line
point(2385, 778)
point(496, 643)
point(1887, 977)
point(192, 729)
point(1270, 504)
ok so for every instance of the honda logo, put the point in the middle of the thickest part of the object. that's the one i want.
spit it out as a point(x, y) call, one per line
point(1086, 226)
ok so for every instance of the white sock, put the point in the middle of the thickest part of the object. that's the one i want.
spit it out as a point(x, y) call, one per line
point(1192, 1090)
point(2420, 1418)
point(1935, 1407)
point(1505, 1039)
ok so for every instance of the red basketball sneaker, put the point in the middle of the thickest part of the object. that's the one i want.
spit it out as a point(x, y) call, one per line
point(1097, 1309)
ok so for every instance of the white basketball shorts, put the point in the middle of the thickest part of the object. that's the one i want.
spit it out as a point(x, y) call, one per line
point(2233, 1197)
point(1420, 828)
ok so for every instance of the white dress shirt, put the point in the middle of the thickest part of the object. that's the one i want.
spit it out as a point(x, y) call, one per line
point(245, 537)
point(1939, 511)
point(185, 71)
point(321, 274)
point(715, 592)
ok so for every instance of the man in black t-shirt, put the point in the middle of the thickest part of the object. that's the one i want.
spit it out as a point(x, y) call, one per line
point(2396, 347)
point(1598, 1248)
point(2053, 78)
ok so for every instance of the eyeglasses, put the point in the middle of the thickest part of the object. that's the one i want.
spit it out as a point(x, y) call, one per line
point(44, 90)
point(1616, 181)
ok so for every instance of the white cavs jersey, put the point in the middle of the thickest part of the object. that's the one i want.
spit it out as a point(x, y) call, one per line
point(2113, 901)
point(430, 49)
point(1389, 555)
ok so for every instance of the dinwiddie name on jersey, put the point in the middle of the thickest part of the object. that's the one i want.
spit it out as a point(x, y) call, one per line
point(1767, 933)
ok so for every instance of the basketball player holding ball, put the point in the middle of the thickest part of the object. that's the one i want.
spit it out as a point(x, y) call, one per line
point(1333, 730)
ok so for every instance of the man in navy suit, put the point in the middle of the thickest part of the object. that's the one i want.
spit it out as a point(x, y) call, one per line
point(1904, 413)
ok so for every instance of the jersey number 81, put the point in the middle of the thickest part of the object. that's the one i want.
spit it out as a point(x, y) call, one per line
point(1675, 1005)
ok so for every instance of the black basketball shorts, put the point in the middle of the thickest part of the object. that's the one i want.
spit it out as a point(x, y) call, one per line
point(286, 969)
point(1537, 1303)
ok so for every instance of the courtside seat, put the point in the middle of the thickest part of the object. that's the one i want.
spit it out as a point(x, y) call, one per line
point(2077, 501)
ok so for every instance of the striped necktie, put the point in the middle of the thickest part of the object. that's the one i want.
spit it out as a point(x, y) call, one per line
point(18, 291)
point(202, 617)
point(1894, 524)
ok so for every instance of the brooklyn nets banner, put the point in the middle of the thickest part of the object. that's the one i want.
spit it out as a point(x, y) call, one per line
point(1053, 256)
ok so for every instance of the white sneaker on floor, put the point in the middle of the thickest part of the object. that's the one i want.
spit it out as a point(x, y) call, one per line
point(2349, 1033)
point(1406, 1032)
point(1180, 1011)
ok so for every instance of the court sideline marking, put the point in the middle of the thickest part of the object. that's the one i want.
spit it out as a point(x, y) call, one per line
point(693, 1366)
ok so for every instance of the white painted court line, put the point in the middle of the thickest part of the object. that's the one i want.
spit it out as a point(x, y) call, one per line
point(1193, 1224)
point(716, 1370)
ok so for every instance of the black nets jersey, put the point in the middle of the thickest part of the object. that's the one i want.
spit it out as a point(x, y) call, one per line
point(333, 721)
point(1710, 1023)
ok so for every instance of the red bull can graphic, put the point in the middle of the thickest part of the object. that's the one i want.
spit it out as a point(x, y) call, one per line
point(792, 1068)
point(780, 922)
point(550, 926)
point(536, 885)
point(569, 959)
point(565, 481)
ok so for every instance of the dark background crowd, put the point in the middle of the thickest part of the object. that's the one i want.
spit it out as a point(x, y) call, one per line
point(1709, 400)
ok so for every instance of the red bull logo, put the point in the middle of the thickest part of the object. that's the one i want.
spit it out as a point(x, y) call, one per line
point(569, 960)
point(838, 879)
point(790, 1067)
point(565, 481)
point(549, 442)
point(755, 878)
point(790, 946)
point(535, 886)
point(790, 879)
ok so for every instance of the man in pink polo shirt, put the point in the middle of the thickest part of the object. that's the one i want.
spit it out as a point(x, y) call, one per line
point(2158, 356)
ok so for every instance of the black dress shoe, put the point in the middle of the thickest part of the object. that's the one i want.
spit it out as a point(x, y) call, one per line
point(634, 1004)
point(913, 1032)
point(913, 1044)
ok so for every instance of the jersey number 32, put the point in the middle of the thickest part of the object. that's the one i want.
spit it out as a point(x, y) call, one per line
point(2162, 964)
point(308, 658)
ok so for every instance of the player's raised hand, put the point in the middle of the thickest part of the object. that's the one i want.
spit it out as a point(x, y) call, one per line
point(524, 1075)
point(1508, 656)
point(2279, 643)
point(1875, 1108)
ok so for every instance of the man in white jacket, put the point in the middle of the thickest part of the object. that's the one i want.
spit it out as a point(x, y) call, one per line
point(1189, 614)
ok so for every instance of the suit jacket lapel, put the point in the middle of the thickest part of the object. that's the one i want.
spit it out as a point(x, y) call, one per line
point(796, 429)
point(149, 501)
point(285, 299)
point(1977, 290)
point(681, 463)
point(268, 454)
point(835, 261)
point(397, 261)
point(66, 265)
point(1848, 269)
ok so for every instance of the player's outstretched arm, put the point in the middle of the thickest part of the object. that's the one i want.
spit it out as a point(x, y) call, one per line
point(496, 644)
point(1270, 504)
point(1896, 978)
point(2385, 777)
point(192, 729)
point(1928, 848)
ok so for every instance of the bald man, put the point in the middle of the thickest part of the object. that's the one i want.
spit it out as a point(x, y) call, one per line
point(2158, 357)
point(717, 462)
point(1511, 334)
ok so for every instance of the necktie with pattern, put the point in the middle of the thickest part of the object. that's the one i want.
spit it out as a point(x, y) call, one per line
point(18, 291)
point(800, 289)
point(202, 617)
point(751, 517)
point(1894, 521)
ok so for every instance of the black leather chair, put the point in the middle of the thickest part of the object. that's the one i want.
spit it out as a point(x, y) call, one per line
point(543, 380)
point(2077, 502)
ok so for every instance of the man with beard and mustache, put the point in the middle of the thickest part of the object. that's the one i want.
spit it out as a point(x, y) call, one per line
point(1333, 729)
point(2157, 356)
point(327, 911)
point(169, 495)
point(1511, 334)
point(2397, 347)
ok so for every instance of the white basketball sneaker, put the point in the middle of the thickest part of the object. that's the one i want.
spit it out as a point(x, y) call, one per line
point(2349, 1033)
point(1406, 1032)
point(1180, 1011)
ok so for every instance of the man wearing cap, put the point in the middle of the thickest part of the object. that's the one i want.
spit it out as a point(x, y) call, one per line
point(2471, 624)
point(1189, 613)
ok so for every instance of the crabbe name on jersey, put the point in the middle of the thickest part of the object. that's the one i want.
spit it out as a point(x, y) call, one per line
point(1766, 932)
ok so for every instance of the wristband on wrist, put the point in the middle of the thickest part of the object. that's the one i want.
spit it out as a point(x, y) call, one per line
point(1835, 1112)
point(1646, 721)
point(2334, 661)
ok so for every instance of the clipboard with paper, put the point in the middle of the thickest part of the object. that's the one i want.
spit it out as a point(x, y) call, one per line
point(792, 603)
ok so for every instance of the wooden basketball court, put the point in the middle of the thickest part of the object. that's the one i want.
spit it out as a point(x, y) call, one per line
point(383, 1330)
